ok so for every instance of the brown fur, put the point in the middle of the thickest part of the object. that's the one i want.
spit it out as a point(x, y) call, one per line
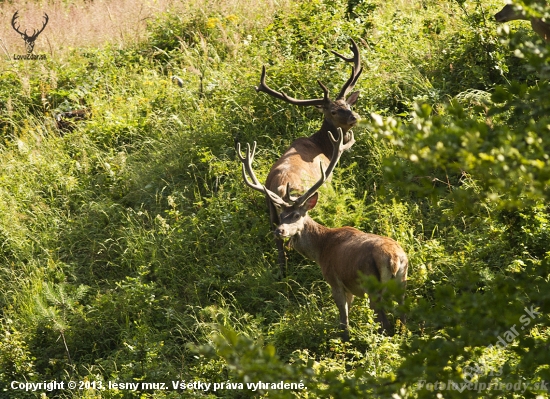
point(343, 253)
point(299, 165)
point(511, 13)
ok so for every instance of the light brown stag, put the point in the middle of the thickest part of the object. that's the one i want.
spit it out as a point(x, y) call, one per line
point(343, 253)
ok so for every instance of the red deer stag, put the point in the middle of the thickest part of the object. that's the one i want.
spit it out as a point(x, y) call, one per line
point(511, 12)
point(297, 168)
point(343, 253)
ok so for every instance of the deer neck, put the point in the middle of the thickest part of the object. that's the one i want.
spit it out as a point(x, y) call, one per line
point(321, 137)
point(311, 240)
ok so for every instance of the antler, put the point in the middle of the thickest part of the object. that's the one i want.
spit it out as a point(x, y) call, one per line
point(13, 19)
point(356, 69)
point(348, 86)
point(247, 169)
point(338, 147)
point(36, 33)
point(282, 96)
point(24, 34)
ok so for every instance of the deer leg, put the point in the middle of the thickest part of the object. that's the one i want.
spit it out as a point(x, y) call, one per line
point(282, 256)
point(380, 316)
point(341, 299)
point(403, 315)
point(274, 219)
point(402, 278)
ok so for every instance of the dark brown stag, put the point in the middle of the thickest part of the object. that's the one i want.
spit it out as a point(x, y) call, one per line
point(29, 39)
point(298, 167)
point(343, 253)
point(65, 121)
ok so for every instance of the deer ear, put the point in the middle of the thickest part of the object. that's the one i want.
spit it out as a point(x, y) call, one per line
point(312, 201)
point(353, 98)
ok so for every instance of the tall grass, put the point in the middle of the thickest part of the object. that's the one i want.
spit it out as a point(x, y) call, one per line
point(81, 24)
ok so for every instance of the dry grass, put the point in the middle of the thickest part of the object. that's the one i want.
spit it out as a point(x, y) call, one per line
point(95, 23)
point(78, 24)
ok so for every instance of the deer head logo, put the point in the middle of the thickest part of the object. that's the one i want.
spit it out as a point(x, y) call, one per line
point(29, 39)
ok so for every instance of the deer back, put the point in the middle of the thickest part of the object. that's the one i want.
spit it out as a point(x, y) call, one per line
point(510, 13)
point(343, 253)
point(298, 168)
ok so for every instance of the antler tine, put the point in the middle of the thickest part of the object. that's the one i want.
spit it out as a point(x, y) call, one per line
point(247, 166)
point(355, 70)
point(338, 149)
point(262, 86)
point(325, 90)
point(354, 58)
point(238, 150)
point(283, 96)
point(247, 169)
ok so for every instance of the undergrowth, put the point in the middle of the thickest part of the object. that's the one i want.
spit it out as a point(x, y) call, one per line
point(131, 250)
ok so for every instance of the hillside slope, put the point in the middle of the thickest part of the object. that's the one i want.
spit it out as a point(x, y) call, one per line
point(132, 252)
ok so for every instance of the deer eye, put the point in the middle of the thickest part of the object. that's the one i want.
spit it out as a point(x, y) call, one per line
point(333, 112)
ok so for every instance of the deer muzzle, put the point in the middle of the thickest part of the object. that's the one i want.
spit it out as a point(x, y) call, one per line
point(281, 232)
point(353, 119)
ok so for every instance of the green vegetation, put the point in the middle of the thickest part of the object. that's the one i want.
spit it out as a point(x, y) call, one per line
point(131, 251)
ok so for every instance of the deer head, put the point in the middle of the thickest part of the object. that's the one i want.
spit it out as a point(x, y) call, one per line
point(338, 113)
point(29, 39)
